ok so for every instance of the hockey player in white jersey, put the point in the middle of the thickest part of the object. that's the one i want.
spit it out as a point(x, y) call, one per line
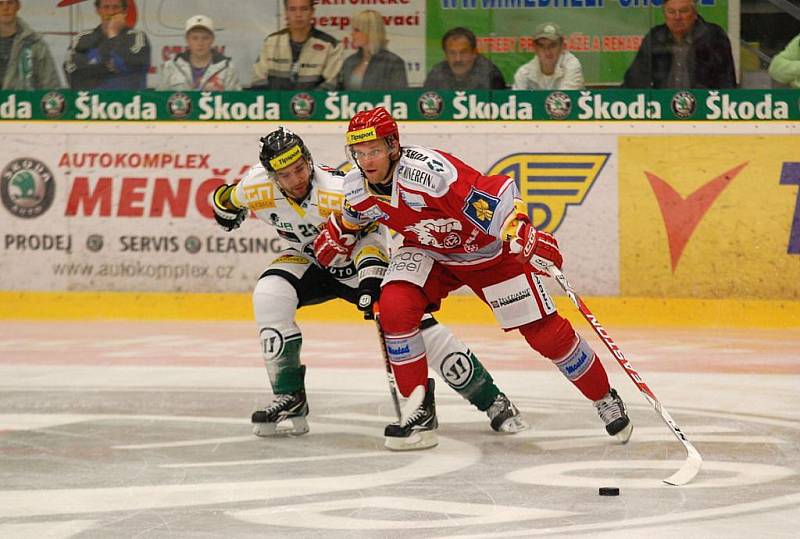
point(296, 197)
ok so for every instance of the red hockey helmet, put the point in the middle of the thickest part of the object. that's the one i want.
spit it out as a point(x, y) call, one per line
point(372, 124)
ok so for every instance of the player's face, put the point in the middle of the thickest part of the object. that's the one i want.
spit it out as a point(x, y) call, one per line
point(680, 16)
point(107, 9)
point(299, 14)
point(548, 51)
point(460, 55)
point(373, 159)
point(8, 11)
point(199, 41)
point(295, 180)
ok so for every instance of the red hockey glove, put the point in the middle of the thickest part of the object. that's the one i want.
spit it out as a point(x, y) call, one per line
point(332, 244)
point(537, 248)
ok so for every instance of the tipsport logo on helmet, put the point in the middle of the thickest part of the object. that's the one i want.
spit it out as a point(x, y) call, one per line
point(362, 135)
point(27, 188)
point(550, 182)
point(285, 159)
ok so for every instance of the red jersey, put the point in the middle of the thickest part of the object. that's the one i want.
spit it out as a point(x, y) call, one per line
point(439, 204)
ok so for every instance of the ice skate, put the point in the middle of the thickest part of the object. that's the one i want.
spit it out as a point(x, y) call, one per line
point(612, 411)
point(419, 424)
point(285, 416)
point(505, 416)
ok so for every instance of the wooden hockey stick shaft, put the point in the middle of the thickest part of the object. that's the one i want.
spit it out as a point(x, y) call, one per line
point(389, 374)
point(694, 460)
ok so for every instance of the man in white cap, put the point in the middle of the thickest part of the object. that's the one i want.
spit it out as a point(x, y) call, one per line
point(552, 68)
point(200, 66)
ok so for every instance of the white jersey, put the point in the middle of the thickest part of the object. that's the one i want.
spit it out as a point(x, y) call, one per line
point(297, 224)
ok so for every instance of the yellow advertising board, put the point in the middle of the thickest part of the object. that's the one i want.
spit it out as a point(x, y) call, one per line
point(710, 216)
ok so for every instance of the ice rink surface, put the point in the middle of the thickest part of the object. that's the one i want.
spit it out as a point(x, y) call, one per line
point(142, 430)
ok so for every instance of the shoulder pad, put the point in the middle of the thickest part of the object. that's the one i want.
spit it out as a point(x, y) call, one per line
point(328, 181)
point(426, 170)
point(256, 190)
point(353, 185)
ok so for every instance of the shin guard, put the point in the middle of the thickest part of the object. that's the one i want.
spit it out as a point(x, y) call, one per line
point(458, 366)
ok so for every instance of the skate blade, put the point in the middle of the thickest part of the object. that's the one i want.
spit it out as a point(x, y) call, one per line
point(296, 426)
point(625, 434)
point(513, 425)
point(418, 440)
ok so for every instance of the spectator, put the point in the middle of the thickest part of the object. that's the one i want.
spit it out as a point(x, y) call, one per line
point(686, 52)
point(200, 67)
point(299, 57)
point(110, 57)
point(785, 66)
point(552, 68)
point(464, 68)
point(25, 59)
point(372, 67)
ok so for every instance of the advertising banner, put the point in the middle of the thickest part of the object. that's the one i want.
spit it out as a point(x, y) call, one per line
point(603, 34)
point(571, 106)
point(126, 212)
point(710, 217)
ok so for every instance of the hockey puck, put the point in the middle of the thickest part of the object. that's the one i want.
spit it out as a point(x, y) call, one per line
point(609, 491)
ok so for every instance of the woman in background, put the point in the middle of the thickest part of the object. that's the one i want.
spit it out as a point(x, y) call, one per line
point(372, 67)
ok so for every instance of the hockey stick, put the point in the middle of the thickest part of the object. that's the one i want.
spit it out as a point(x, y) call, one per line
point(694, 460)
point(389, 374)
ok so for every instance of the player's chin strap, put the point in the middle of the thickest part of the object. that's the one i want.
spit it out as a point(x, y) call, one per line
point(694, 460)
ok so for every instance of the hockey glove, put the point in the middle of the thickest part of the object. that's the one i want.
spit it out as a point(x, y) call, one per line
point(369, 290)
point(537, 248)
point(332, 244)
point(227, 215)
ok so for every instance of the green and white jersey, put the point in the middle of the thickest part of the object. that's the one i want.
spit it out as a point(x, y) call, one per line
point(298, 224)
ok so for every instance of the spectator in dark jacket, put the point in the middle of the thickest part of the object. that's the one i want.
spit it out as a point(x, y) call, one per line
point(464, 68)
point(110, 57)
point(372, 67)
point(685, 52)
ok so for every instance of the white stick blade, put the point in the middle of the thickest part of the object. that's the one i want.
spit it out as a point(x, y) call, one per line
point(689, 469)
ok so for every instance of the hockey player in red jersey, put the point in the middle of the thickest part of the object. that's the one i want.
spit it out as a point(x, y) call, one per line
point(295, 196)
point(459, 227)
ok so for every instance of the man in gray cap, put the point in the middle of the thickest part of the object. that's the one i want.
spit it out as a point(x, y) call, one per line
point(552, 68)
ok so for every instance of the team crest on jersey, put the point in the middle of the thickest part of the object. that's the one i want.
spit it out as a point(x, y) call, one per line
point(551, 182)
point(440, 233)
point(479, 208)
